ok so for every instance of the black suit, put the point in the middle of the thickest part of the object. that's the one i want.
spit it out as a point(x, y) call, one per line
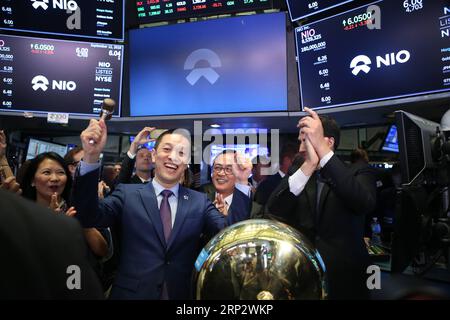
point(240, 204)
point(266, 188)
point(126, 172)
point(337, 227)
point(37, 246)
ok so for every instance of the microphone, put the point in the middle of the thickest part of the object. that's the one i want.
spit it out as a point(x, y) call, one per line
point(108, 106)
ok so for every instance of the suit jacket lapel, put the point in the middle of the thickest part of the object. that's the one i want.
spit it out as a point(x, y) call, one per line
point(151, 206)
point(182, 211)
point(323, 196)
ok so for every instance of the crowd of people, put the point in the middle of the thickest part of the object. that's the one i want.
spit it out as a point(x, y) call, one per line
point(144, 224)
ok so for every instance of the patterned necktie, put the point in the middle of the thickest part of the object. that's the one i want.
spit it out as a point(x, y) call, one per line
point(166, 214)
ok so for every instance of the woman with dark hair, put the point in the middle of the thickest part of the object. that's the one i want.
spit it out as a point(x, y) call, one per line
point(47, 181)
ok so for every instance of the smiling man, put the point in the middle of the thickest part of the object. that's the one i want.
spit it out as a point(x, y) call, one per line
point(161, 221)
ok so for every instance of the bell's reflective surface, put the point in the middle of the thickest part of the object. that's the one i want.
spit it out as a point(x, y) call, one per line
point(259, 260)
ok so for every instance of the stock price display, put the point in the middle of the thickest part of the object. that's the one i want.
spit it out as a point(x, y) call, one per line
point(83, 18)
point(299, 9)
point(44, 75)
point(160, 10)
point(369, 54)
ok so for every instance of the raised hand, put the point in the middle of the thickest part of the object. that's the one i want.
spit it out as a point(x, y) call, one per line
point(2, 143)
point(311, 126)
point(71, 212)
point(10, 184)
point(242, 168)
point(141, 138)
point(97, 132)
point(311, 158)
point(54, 204)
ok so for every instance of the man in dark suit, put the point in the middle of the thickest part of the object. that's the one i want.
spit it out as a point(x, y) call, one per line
point(329, 207)
point(36, 252)
point(230, 190)
point(161, 221)
point(137, 156)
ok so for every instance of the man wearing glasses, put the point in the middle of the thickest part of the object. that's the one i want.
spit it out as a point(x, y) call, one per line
point(230, 191)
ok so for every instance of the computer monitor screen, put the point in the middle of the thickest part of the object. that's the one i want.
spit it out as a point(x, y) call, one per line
point(155, 10)
point(250, 151)
point(102, 19)
point(300, 9)
point(391, 140)
point(370, 54)
point(415, 140)
point(36, 147)
point(217, 66)
point(46, 75)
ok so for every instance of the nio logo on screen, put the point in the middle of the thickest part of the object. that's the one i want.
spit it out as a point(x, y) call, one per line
point(362, 62)
point(43, 4)
point(60, 4)
point(41, 82)
point(208, 73)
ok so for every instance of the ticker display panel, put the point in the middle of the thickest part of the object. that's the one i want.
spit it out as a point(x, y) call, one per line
point(46, 75)
point(103, 19)
point(386, 50)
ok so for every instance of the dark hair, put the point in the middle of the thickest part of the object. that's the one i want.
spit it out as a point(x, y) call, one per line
point(359, 155)
point(161, 136)
point(69, 157)
point(289, 150)
point(29, 192)
point(331, 129)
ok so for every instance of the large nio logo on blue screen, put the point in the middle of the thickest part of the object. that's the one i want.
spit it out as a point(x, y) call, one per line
point(208, 73)
point(360, 63)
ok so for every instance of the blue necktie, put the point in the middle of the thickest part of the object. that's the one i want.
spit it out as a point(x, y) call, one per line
point(166, 214)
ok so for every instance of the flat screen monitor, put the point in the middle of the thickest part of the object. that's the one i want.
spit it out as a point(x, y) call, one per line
point(250, 151)
point(300, 9)
point(36, 147)
point(161, 10)
point(149, 145)
point(103, 19)
point(415, 139)
point(386, 50)
point(391, 140)
point(46, 75)
point(217, 66)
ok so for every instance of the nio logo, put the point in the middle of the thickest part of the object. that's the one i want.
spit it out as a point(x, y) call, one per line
point(41, 82)
point(61, 4)
point(40, 3)
point(208, 73)
point(363, 62)
point(360, 63)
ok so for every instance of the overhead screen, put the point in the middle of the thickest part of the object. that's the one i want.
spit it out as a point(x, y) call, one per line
point(299, 9)
point(85, 18)
point(217, 66)
point(43, 75)
point(159, 10)
point(357, 57)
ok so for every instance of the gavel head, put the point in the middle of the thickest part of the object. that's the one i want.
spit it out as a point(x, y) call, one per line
point(108, 106)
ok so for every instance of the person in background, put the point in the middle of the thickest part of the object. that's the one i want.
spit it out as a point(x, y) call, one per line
point(138, 157)
point(266, 187)
point(261, 163)
point(230, 191)
point(327, 201)
point(7, 179)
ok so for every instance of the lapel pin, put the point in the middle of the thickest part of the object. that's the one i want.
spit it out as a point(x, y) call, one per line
point(185, 197)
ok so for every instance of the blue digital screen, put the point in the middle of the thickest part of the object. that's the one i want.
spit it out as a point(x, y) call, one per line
point(371, 54)
point(391, 141)
point(217, 66)
point(299, 9)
